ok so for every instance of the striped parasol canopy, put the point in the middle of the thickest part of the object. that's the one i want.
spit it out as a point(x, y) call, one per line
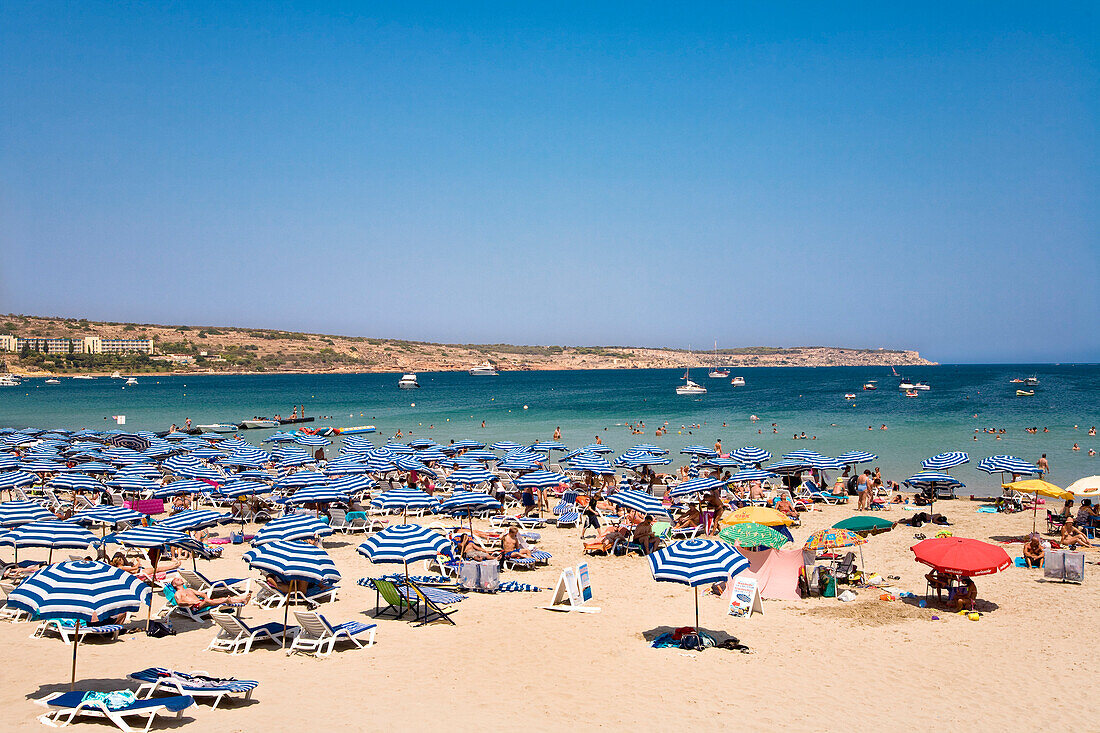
point(408, 463)
point(291, 527)
point(82, 590)
point(932, 480)
point(311, 440)
point(853, 457)
point(541, 480)
point(464, 444)
point(317, 495)
point(591, 463)
point(751, 534)
point(802, 455)
point(301, 478)
point(15, 513)
point(76, 482)
point(637, 460)
point(237, 489)
point(293, 560)
point(1007, 464)
point(750, 455)
point(639, 501)
point(403, 543)
point(696, 562)
point(183, 486)
point(111, 515)
point(695, 486)
point(51, 533)
point(944, 461)
point(191, 519)
point(832, 538)
point(16, 479)
point(751, 474)
point(351, 484)
point(422, 443)
point(724, 463)
point(464, 501)
point(404, 499)
point(503, 445)
point(699, 450)
point(471, 476)
point(150, 537)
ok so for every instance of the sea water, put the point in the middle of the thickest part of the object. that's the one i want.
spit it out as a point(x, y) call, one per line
point(528, 406)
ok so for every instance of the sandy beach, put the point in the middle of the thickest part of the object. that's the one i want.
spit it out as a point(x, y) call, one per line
point(509, 663)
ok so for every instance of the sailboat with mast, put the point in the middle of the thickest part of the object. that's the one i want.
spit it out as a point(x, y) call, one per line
point(689, 387)
point(715, 372)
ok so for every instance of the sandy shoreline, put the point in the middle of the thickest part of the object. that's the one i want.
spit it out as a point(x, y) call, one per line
point(510, 663)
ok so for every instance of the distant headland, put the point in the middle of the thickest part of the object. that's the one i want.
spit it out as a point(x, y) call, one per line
point(53, 345)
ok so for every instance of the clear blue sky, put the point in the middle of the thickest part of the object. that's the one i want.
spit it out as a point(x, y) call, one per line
point(604, 173)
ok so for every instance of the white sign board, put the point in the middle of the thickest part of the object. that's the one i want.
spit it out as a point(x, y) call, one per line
point(745, 598)
point(573, 591)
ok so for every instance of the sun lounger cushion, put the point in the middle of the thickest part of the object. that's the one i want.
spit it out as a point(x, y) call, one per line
point(173, 704)
point(192, 681)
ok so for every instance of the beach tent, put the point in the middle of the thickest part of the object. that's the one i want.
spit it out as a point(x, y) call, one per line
point(776, 573)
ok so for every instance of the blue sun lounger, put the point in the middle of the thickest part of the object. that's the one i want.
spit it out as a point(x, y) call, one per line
point(197, 684)
point(65, 706)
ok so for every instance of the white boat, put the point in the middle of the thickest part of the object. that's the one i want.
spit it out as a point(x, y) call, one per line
point(689, 387)
point(51, 380)
point(715, 372)
point(218, 427)
point(850, 396)
point(908, 386)
point(408, 382)
point(258, 424)
point(485, 369)
point(83, 376)
point(870, 385)
point(1031, 381)
point(116, 375)
point(131, 380)
point(9, 380)
point(921, 387)
point(738, 381)
point(1025, 393)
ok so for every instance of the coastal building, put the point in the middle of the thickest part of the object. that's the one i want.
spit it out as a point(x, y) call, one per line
point(87, 345)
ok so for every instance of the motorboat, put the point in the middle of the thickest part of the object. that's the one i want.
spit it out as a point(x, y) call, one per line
point(911, 393)
point(83, 376)
point(1025, 393)
point(408, 382)
point(689, 387)
point(116, 375)
point(870, 386)
point(910, 386)
point(51, 380)
point(738, 381)
point(715, 372)
point(1032, 381)
point(259, 424)
point(850, 396)
point(485, 369)
point(218, 427)
point(131, 380)
point(9, 380)
point(1017, 380)
point(921, 387)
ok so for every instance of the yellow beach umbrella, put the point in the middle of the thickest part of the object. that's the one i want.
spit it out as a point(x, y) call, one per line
point(760, 514)
point(1085, 488)
point(1039, 488)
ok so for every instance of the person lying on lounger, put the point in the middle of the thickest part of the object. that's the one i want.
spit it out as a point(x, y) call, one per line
point(119, 561)
point(510, 545)
point(469, 550)
point(687, 520)
point(198, 601)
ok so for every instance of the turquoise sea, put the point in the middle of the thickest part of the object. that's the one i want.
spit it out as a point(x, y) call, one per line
point(526, 406)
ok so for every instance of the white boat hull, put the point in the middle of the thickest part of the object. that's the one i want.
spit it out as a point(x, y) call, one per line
point(258, 424)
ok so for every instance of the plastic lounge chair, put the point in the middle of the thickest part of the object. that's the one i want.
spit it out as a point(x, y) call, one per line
point(66, 629)
point(387, 591)
point(65, 706)
point(203, 584)
point(433, 610)
point(319, 637)
point(235, 635)
point(197, 684)
point(197, 614)
point(268, 596)
point(569, 518)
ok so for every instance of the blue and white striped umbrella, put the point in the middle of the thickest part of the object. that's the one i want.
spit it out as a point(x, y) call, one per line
point(301, 478)
point(505, 445)
point(184, 486)
point(140, 470)
point(421, 443)
point(191, 519)
point(76, 481)
point(750, 455)
point(788, 467)
point(346, 466)
point(697, 562)
point(248, 459)
point(824, 463)
point(16, 479)
point(111, 515)
point(233, 444)
point(944, 461)
point(405, 499)
point(355, 443)
point(933, 479)
point(190, 467)
point(638, 460)
point(158, 536)
point(802, 455)
point(463, 444)
point(15, 513)
point(42, 466)
point(206, 453)
point(291, 527)
point(545, 446)
point(8, 460)
point(403, 543)
point(316, 495)
point(639, 501)
point(380, 460)
point(751, 474)
point(694, 486)
point(853, 457)
point(589, 462)
point(408, 463)
point(132, 483)
point(471, 476)
point(92, 467)
point(292, 560)
point(465, 501)
point(281, 437)
point(699, 450)
point(480, 454)
point(253, 475)
point(428, 455)
point(237, 489)
point(519, 462)
point(1007, 464)
point(294, 461)
point(312, 440)
point(83, 590)
point(351, 484)
point(648, 448)
point(398, 449)
point(725, 463)
point(53, 534)
point(541, 480)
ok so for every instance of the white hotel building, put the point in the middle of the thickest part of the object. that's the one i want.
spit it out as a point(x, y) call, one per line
point(87, 345)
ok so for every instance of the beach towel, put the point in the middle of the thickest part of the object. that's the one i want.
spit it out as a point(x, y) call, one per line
point(116, 700)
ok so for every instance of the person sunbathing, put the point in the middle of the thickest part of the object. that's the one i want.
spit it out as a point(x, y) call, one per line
point(1033, 552)
point(197, 601)
point(687, 520)
point(1071, 535)
point(17, 572)
point(119, 561)
point(469, 550)
point(510, 545)
point(785, 507)
point(295, 586)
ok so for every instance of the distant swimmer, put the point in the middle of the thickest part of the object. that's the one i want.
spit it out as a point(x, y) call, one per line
point(557, 433)
point(1092, 430)
point(1076, 447)
point(482, 423)
point(883, 427)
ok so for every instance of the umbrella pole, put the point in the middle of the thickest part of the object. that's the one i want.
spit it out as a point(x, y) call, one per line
point(697, 609)
point(286, 608)
point(154, 556)
point(76, 643)
point(49, 559)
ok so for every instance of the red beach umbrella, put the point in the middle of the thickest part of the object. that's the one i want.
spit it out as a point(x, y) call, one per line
point(961, 556)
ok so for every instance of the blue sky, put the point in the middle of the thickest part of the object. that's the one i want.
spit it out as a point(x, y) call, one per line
point(589, 174)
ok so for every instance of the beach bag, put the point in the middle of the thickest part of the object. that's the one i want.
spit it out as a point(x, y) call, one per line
point(158, 629)
point(237, 538)
point(488, 576)
point(467, 575)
